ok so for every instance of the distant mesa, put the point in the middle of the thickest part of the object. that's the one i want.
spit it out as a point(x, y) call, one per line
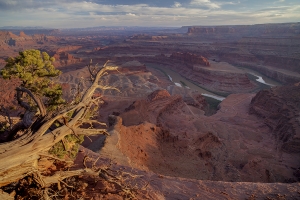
point(141, 37)
point(11, 39)
point(68, 48)
point(96, 48)
point(159, 37)
point(22, 34)
point(244, 30)
point(6, 35)
point(63, 58)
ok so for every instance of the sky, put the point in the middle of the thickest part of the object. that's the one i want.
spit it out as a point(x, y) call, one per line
point(155, 13)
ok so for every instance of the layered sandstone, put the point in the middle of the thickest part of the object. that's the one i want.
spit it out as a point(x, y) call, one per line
point(280, 110)
point(68, 48)
point(219, 77)
point(163, 134)
point(63, 58)
point(190, 58)
point(281, 75)
point(222, 81)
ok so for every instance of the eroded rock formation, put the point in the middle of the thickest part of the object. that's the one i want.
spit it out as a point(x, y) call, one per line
point(189, 58)
point(63, 58)
point(219, 77)
point(23, 39)
point(280, 109)
point(173, 138)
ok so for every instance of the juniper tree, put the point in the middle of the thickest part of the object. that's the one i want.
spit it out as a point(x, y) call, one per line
point(42, 125)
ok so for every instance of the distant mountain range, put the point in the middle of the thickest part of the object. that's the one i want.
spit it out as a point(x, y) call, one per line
point(22, 27)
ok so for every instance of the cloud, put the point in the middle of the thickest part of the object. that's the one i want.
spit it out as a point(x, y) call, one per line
point(205, 3)
point(131, 14)
point(77, 13)
point(177, 4)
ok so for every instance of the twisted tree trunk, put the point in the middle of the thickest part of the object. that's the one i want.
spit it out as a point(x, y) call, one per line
point(20, 157)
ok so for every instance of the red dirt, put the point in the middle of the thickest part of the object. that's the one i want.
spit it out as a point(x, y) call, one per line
point(168, 137)
point(149, 185)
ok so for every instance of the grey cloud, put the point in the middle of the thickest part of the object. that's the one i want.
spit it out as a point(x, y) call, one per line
point(32, 4)
point(159, 3)
point(72, 13)
point(282, 8)
point(15, 5)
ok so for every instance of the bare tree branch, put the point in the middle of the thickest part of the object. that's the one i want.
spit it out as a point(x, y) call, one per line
point(18, 158)
point(36, 99)
point(108, 88)
point(94, 121)
point(89, 132)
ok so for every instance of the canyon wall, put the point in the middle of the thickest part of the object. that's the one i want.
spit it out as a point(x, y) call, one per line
point(203, 73)
point(279, 107)
point(189, 58)
point(174, 138)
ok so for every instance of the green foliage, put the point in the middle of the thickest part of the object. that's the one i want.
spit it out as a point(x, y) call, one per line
point(3, 127)
point(35, 70)
point(68, 147)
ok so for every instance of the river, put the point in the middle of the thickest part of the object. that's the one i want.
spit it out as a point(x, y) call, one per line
point(261, 78)
point(180, 81)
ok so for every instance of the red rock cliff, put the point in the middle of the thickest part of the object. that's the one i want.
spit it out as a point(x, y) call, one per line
point(280, 109)
point(189, 58)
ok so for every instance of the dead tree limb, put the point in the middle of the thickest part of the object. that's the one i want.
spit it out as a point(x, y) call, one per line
point(20, 157)
point(36, 99)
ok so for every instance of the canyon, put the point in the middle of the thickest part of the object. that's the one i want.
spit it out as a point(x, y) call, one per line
point(198, 109)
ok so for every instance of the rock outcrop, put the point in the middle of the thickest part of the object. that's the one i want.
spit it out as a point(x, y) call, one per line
point(63, 58)
point(157, 187)
point(156, 104)
point(219, 77)
point(68, 48)
point(7, 38)
point(189, 58)
point(164, 134)
point(11, 39)
point(280, 109)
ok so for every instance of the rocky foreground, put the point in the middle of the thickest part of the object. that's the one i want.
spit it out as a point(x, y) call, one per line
point(173, 138)
point(150, 185)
